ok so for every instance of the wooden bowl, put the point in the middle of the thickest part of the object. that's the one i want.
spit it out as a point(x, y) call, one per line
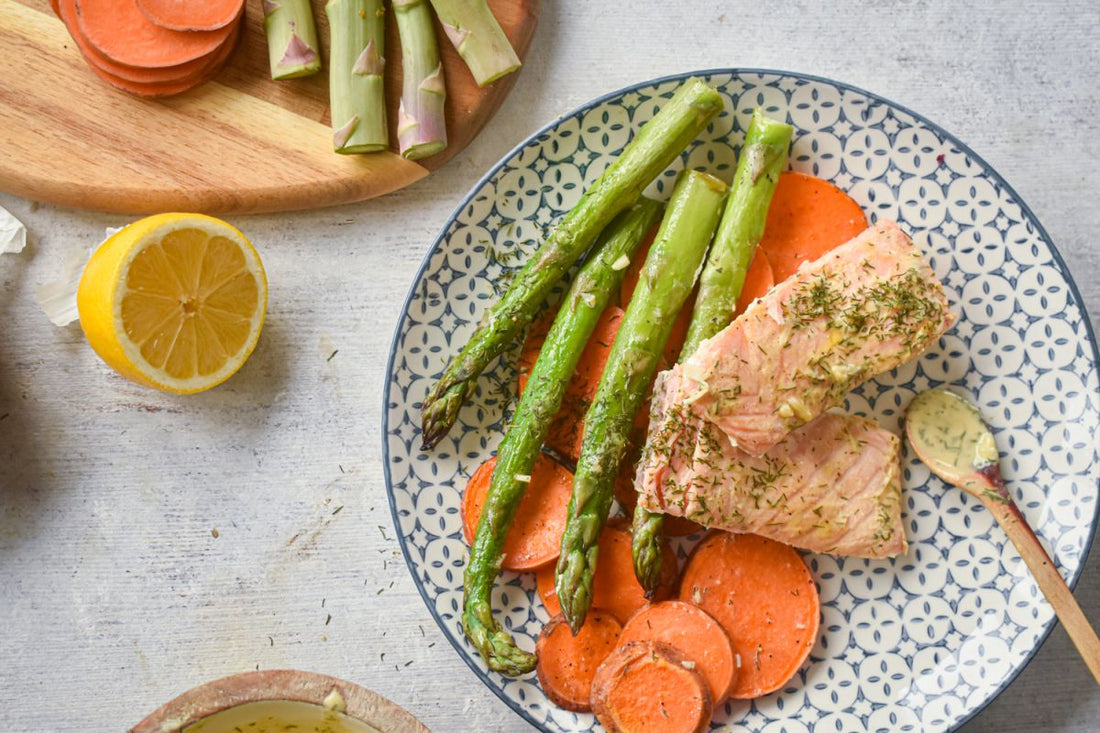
point(274, 701)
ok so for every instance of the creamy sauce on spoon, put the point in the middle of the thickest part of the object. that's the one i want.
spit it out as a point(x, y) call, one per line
point(949, 434)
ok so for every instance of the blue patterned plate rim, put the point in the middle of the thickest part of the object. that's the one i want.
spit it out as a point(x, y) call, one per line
point(734, 71)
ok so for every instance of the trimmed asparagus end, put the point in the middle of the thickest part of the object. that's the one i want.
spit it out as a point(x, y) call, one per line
point(478, 38)
point(425, 150)
point(356, 63)
point(291, 39)
point(421, 124)
point(409, 136)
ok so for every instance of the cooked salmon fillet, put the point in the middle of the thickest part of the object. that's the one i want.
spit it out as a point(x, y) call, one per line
point(831, 486)
point(739, 435)
point(864, 308)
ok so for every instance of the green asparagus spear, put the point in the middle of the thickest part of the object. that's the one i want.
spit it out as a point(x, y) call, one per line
point(291, 39)
point(355, 66)
point(668, 277)
point(421, 128)
point(478, 38)
point(596, 282)
point(763, 158)
point(655, 146)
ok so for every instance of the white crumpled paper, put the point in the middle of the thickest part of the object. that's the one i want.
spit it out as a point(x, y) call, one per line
point(13, 235)
point(58, 297)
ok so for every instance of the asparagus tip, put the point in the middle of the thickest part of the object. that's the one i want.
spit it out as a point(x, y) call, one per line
point(431, 435)
point(647, 551)
point(573, 583)
point(440, 412)
point(496, 645)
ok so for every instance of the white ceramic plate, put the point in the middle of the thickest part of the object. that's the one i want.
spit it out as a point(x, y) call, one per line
point(921, 642)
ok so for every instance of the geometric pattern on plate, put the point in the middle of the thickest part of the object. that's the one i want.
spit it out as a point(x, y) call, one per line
point(917, 643)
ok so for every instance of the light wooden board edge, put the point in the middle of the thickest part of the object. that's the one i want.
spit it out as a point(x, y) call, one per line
point(344, 179)
point(278, 684)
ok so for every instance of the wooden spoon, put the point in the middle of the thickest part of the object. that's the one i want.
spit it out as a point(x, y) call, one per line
point(949, 435)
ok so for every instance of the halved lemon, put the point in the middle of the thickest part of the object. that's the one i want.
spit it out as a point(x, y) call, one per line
point(174, 301)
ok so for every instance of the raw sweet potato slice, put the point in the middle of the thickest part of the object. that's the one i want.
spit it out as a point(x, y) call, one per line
point(167, 89)
point(567, 663)
point(649, 686)
point(138, 74)
point(119, 30)
point(191, 15)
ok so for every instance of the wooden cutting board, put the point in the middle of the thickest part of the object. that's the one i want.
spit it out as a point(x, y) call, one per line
point(242, 143)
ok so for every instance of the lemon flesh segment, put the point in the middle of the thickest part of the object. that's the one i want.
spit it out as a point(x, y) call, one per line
point(187, 298)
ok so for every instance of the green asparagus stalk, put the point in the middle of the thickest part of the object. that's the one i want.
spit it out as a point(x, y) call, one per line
point(596, 282)
point(763, 158)
point(655, 146)
point(674, 261)
point(421, 129)
point(356, 40)
point(477, 37)
point(292, 45)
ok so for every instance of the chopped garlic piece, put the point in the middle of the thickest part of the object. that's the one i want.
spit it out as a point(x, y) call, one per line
point(523, 478)
point(842, 373)
point(588, 299)
point(334, 701)
point(796, 407)
point(620, 264)
point(687, 664)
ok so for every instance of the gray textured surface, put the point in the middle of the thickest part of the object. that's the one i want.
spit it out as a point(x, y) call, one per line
point(115, 595)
